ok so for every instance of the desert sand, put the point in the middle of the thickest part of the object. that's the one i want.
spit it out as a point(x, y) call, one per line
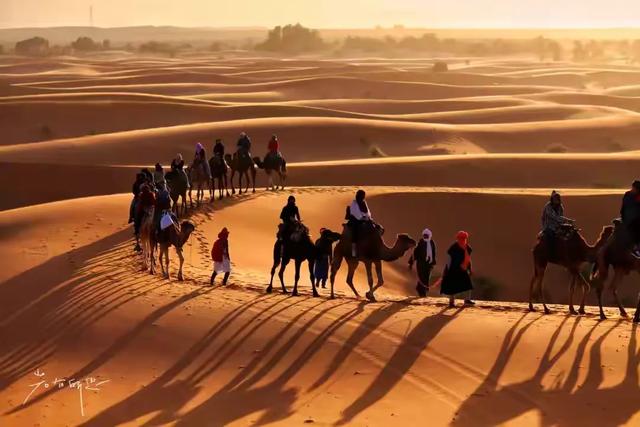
point(477, 148)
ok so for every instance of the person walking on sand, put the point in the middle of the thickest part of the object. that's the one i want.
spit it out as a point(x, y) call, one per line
point(324, 257)
point(456, 277)
point(424, 256)
point(220, 257)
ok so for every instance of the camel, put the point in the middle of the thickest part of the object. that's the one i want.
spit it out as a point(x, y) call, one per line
point(300, 250)
point(571, 254)
point(178, 185)
point(219, 168)
point(370, 250)
point(273, 165)
point(617, 254)
point(244, 166)
point(176, 237)
point(199, 178)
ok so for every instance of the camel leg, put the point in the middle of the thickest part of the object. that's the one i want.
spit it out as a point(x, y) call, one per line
point(335, 266)
point(181, 258)
point(599, 288)
point(161, 261)
point(541, 288)
point(165, 252)
point(297, 264)
point(353, 265)
point(269, 182)
point(152, 269)
point(636, 316)
point(585, 290)
point(369, 294)
point(617, 276)
point(380, 282)
point(253, 178)
point(233, 173)
point(310, 262)
point(572, 287)
point(283, 266)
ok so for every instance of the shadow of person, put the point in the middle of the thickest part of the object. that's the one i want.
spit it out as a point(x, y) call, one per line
point(403, 358)
point(565, 402)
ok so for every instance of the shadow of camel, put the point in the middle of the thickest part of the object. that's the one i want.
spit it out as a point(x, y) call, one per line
point(567, 402)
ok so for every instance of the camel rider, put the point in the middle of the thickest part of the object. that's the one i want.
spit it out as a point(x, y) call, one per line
point(146, 200)
point(158, 175)
point(163, 203)
point(630, 213)
point(244, 145)
point(218, 149)
point(177, 165)
point(140, 179)
point(273, 147)
point(552, 220)
point(290, 216)
point(148, 176)
point(358, 213)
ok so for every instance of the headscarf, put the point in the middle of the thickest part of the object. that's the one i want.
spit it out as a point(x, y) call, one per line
point(463, 240)
point(224, 234)
point(362, 203)
point(429, 251)
point(179, 157)
point(199, 148)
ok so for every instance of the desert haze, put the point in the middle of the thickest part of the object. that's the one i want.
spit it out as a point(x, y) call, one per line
point(473, 136)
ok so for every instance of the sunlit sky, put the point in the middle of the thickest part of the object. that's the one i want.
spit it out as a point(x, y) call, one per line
point(325, 13)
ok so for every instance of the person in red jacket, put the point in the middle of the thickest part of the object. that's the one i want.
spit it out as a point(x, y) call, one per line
point(220, 257)
point(273, 146)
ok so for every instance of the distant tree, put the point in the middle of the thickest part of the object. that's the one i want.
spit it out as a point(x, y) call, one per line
point(106, 44)
point(292, 39)
point(635, 51)
point(579, 52)
point(440, 67)
point(157, 47)
point(35, 46)
point(85, 44)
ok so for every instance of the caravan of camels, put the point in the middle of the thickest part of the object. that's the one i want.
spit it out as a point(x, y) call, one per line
point(156, 206)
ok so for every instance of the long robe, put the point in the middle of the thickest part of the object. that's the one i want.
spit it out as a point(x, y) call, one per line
point(456, 279)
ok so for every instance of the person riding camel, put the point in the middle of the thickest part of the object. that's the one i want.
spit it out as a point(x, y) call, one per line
point(163, 204)
point(273, 148)
point(553, 220)
point(290, 216)
point(158, 175)
point(244, 146)
point(148, 177)
point(177, 166)
point(146, 199)
point(200, 158)
point(218, 149)
point(630, 215)
point(135, 189)
point(358, 214)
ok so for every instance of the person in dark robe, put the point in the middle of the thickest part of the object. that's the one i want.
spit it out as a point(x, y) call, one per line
point(290, 216)
point(424, 256)
point(456, 278)
point(218, 149)
point(630, 215)
point(324, 256)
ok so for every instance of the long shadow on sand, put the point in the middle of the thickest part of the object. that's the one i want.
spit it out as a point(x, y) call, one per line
point(568, 401)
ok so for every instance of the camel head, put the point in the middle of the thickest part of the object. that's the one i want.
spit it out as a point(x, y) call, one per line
point(405, 242)
point(186, 228)
point(605, 234)
point(331, 236)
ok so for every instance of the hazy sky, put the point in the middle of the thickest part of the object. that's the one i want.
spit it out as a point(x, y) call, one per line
point(324, 13)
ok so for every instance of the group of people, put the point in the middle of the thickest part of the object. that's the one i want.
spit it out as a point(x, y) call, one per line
point(456, 277)
point(555, 223)
point(151, 189)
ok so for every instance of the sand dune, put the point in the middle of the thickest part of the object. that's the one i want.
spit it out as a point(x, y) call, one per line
point(274, 354)
point(477, 148)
